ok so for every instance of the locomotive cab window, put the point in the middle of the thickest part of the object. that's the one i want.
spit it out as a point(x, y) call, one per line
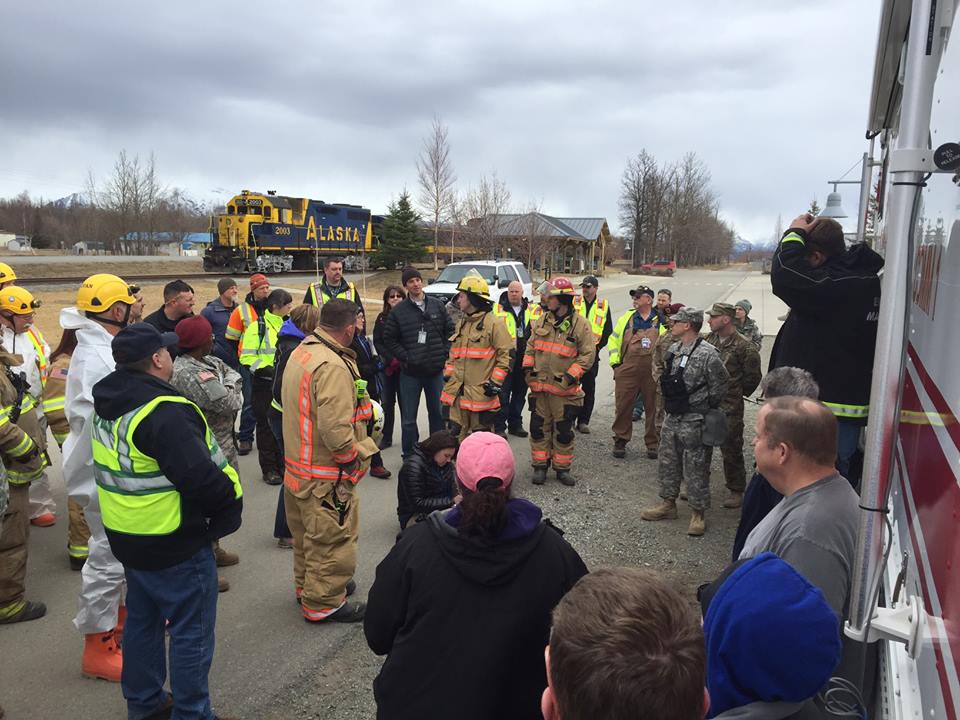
point(231, 210)
point(254, 211)
point(268, 213)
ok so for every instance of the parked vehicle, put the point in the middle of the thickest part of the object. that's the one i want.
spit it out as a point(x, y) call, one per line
point(659, 267)
point(498, 274)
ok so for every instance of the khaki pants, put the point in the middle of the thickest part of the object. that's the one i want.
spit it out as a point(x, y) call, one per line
point(633, 379)
point(324, 522)
point(13, 550)
point(551, 429)
point(464, 422)
point(78, 533)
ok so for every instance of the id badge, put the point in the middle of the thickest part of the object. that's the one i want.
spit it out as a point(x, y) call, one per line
point(645, 343)
point(683, 360)
point(422, 337)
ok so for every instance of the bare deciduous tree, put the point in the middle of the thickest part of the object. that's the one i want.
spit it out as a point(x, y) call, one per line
point(436, 178)
point(483, 206)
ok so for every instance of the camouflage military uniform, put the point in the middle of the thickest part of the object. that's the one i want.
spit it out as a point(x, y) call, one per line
point(751, 331)
point(682, 454)
point(659, 351)
point(218, 390)
point(742, 362)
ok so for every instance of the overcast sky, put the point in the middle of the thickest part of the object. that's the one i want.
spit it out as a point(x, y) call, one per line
point(331, 100)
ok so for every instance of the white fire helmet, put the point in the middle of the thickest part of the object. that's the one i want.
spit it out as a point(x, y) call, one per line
point(375, 429)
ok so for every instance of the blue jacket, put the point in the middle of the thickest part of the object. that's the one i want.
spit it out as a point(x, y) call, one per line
point(218, 316)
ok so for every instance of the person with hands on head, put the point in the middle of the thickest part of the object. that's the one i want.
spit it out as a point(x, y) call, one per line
point(426, 481)
point(466, 595)
point(167, 492)
point(481, 353)
point(834, 297)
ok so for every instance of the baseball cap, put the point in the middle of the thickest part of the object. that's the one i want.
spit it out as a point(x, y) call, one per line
point(140, 340)
point(590, 281)
point(688, 314)
point(193, 332)
point(484, 455)
point(722, 309)
point(642, 290)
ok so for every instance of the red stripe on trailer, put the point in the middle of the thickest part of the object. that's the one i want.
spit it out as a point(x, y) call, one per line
point(951, 422)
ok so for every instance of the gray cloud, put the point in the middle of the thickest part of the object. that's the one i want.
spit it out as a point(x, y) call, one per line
point(332, 101)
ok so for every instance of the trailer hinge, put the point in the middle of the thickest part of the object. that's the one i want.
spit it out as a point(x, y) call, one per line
point(903, 623)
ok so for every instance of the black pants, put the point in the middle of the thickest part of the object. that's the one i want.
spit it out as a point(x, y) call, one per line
point(268, 452)
point(588, 383)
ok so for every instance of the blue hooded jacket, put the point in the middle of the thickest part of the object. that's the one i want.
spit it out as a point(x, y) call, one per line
point(770, 635)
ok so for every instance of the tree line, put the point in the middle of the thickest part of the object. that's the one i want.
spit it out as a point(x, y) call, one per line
point(122, 213)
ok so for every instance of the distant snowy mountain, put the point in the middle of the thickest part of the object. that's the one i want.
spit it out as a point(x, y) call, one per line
point(72, 200)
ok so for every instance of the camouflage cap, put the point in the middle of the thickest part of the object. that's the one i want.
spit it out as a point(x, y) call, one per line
point(746, 305)
point(722, 309)
point(688, 314)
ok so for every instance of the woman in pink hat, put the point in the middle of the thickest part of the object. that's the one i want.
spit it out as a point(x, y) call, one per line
point(461, 604)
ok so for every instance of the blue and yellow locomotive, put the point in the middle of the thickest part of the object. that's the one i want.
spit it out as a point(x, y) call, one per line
point(275, 233)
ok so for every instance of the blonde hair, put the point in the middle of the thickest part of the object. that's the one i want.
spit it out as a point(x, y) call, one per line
point(305, 317)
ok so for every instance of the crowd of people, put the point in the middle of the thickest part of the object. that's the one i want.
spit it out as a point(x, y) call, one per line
point(482, 608)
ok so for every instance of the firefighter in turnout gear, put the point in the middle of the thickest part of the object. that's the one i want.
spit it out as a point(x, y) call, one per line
point(481, 353)
point(327, 451)
point(560, 350)
point(694, 380)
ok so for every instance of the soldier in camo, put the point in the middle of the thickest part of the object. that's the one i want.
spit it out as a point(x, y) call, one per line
point(694, 377)
point(742, 361)
point(659, 353)
point(747, 326)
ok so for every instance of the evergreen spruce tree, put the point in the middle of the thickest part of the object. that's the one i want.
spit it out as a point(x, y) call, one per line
point(401, 239)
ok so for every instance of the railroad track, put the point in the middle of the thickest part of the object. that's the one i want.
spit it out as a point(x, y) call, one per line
point(142, 279)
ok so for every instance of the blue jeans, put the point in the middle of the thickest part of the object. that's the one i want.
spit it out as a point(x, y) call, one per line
point(248, 421)
point(848, 438)
point(186, 595)
point(410, 388)
point(389, 397)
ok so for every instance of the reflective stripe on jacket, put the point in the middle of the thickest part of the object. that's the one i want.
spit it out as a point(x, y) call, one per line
point(319, 293)
point(557, 349)
point(136, 498)
point(480, 351)
point(616, 338)
point(241, 318)
point(510, 320)
point(259, 351)
point(597, 317)
point(54, 403)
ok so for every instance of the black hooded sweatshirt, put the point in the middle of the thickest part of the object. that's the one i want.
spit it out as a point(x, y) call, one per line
point(464, 621)
point(832, 327)
point(173, 434)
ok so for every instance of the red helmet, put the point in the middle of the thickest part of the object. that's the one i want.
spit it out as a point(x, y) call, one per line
point(561, 286)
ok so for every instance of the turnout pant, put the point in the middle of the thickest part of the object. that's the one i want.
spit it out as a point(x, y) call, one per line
point(268, 452)
point(734, 470)
point(588, 383)
point(324, 519)
point(463, 422)
point(633, 380)
point(683, 456)
point(78, 532)
point(13, 550)
point(551, 429)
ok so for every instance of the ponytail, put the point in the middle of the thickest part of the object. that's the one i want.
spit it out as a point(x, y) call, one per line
point(484, 511)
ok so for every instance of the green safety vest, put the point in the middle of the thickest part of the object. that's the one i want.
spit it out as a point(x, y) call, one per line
point(135, 496)
point(511, 320)
point(613, 346)
point(317, 295)
point(259, 342)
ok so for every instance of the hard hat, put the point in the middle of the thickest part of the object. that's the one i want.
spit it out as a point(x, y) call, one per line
point(561, 286)
point(98, 292)
point(474, 283)
point(375, 429)
point(17, 300)
point(6, 273)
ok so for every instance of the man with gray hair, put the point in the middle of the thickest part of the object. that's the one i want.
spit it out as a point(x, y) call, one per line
point(760, 498)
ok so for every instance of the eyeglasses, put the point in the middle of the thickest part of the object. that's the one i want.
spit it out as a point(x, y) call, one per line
point(397, 297)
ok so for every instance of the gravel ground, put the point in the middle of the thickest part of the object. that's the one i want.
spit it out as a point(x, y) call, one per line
point(600, 518)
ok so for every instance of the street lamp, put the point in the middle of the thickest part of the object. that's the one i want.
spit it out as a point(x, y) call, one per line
point(833, 208)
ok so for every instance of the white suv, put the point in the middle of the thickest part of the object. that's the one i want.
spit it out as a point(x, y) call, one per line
point(498, 274)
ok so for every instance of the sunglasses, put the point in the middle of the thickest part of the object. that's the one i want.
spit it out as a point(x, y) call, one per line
point(399, 297)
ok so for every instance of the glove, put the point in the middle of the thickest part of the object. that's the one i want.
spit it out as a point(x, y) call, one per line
point(490, 388)
point(570, 378)
point(351, 467)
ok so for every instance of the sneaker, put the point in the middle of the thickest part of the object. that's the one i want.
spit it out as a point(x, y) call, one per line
point(47, 519)
point(583, 428)
point(31, 610)
point(272, 478)
point(666, 510)
point(734, 500)
point(518, 431)
point(164, 712)
point(698, 524)
point(351, 587)
point(566, 478)
point(244, 447)
point(225, 558)
point(380, 472)
point(539, 475)
point(619, 448)
point(637, 416)
point(349, 612)
point(285, 543)
point(652, 454)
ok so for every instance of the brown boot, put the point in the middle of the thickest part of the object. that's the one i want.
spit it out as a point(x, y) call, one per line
point(666, 510)
point(619, 448)
point(101, 657)
point(734, 500)
point(698, 524)
point(222, 584)
point(223, 557)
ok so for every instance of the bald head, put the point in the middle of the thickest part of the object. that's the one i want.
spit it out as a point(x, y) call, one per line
point(515, 293)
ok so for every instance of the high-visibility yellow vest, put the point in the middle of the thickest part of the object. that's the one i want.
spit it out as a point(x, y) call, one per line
point(616, 338)
point(597, 317)
point(136, 498)
point(511, 320)
point(36, 339)
point(259, 349)
point(536, 312)
point(318, 297)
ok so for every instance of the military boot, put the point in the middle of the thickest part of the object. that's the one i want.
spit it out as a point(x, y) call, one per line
point(734, 501)
point(666, 510)
point(566, 478)
point(698, 524)
point(619, 448)
point(539, 475)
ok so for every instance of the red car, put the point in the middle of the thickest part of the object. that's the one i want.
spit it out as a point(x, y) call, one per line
point(659, 267)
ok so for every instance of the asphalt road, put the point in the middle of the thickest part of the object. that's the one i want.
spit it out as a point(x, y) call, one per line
point(265, 652)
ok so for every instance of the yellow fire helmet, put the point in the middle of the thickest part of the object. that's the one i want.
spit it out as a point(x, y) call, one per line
point(98, 292)
point(17, 300)
point(6, 273)
point(474, 283)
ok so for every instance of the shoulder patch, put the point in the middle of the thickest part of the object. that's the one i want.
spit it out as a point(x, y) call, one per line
point(59, 373)
point(206, 375)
